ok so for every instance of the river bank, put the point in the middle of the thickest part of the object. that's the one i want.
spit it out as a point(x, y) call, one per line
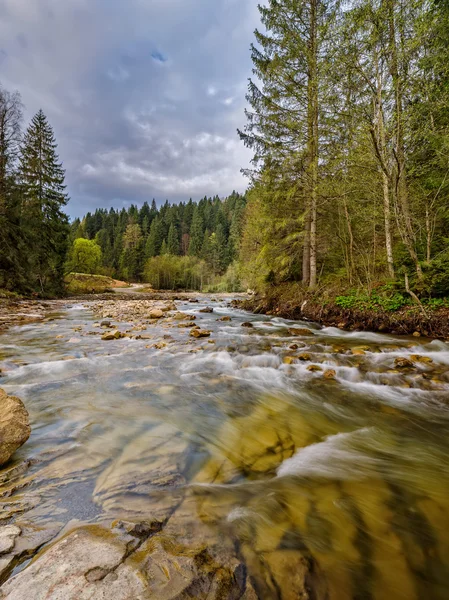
point(290, 302)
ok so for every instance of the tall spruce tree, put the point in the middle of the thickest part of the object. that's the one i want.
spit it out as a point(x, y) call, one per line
point(43, 194)
point(283, 125)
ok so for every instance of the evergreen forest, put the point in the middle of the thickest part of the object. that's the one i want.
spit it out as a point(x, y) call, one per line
point(348, 122)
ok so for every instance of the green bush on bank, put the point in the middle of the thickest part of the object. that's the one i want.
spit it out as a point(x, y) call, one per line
point(172, 272)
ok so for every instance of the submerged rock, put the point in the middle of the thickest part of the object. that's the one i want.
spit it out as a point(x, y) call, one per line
point(403, 363)
point(14, 425)
point(200, 333)
point(300, 331)
point(330, 374)
point(207, 310)
point(421, 359)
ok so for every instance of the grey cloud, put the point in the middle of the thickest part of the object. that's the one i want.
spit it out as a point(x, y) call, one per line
point(145, 96)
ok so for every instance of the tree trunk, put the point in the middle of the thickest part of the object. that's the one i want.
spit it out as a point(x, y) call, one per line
point(306, 249)
point(404, 220)
point(312, 117)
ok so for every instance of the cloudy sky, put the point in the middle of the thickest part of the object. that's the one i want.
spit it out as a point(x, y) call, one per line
point(144, 95)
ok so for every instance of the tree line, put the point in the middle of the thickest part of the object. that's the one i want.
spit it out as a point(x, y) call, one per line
point(348, 120)
point(33, 225)
point(128, 243)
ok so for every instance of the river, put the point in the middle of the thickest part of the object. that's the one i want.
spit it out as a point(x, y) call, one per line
point(322, 447)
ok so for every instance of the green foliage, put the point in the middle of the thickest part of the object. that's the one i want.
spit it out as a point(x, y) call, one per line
point(43, 198)
point(84, 257)
point(81, 283)
point(210, 230)
point(169, 272)
point(436, 276)
point(381, 299)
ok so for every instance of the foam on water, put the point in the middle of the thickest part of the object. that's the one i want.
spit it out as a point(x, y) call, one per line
point(333, 458)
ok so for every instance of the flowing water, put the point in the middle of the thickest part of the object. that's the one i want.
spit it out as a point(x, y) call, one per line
point(347, 468)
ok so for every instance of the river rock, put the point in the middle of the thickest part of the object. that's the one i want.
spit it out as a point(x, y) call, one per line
point(156, 313)
point(200, 333)
point(288, 360)
point(207, 310)
point(403, 363)
point(14, 425)
point(330, 374)
point(87, 564)
point(248, 325)
point(226, 318)
point(8, 535)
point(421, 359)
point(116, 335)
point(300, 331)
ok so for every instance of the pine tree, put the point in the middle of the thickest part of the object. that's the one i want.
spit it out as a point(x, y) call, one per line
point(43, 189)
point(173, 240)
point(196, 233)
point(284, 124)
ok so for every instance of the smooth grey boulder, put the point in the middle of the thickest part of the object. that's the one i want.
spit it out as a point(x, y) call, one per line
point(14, 425)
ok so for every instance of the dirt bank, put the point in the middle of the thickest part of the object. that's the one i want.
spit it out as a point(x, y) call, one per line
point(409, 320)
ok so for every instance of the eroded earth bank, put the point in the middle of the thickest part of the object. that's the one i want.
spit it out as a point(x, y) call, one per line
point(181, 448)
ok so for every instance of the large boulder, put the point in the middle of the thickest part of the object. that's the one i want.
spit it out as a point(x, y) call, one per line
point(14, 425)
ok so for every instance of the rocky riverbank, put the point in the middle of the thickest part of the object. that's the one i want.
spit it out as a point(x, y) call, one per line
point(409, 320)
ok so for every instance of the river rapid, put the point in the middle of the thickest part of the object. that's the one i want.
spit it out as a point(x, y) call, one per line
point(318, 448)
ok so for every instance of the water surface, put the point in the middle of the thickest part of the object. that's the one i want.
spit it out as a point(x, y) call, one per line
point(222, 434)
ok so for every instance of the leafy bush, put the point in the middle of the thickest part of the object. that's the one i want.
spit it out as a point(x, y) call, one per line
point(170, 272)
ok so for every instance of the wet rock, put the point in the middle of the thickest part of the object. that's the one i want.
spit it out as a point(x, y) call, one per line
point(417, 334)
point(8, 535)
point(88, 563)
point(105, 324)
point(248, 325)
point(330, 374)
point(421, 359)
point(133, 485)
point(305, 356)
point(403, 363)
point(159, 345)
point(14, 425)
point(27, 540)
point(226, 318)
point(314, 368)
point(301, 331)
point(207, 310)
point(116, 335)
point(358, 352)
point(200, 333)
point(289, 360)
point(293, 347)
point(184, 317)
point(156, 313)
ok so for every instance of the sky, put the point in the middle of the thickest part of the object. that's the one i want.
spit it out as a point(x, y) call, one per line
point(144, 96)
